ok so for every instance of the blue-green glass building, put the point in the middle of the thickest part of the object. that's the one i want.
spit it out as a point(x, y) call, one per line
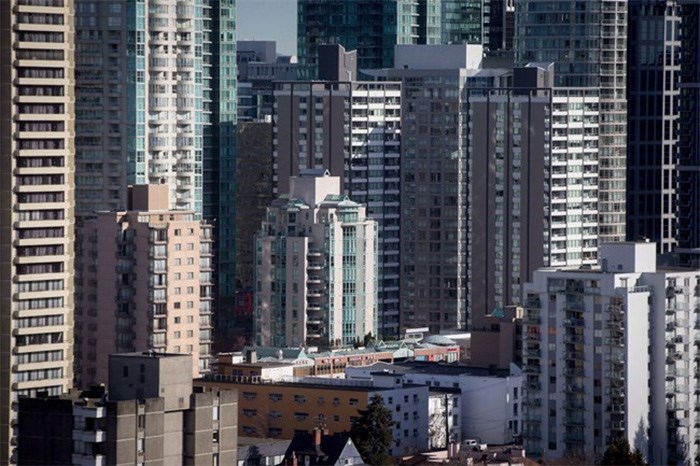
point(372, 27)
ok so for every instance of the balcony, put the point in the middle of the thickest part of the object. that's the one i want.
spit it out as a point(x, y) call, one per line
point(574, 339)
point(532, 320)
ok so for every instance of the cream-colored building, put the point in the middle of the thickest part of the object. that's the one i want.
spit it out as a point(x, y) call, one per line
point(316, 267)
point(147, 275)
point(36, 204)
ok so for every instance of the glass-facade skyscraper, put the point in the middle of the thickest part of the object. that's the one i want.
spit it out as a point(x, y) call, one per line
point(372, 27)
point(652, 92)
point(587, 41)
point(688, 145)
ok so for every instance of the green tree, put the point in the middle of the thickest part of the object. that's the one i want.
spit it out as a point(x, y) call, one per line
point(371, 432)
point(619, 453)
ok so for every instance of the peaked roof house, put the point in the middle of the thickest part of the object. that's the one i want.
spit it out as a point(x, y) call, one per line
point(319, 448)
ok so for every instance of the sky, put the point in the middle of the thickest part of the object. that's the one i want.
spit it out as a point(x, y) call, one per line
point(268, 20)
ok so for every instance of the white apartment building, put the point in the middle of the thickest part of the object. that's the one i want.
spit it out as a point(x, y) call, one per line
point(37, 151)
point(611, 351)
point(316, 267)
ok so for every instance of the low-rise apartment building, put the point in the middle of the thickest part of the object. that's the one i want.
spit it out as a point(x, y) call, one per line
point(283, 409)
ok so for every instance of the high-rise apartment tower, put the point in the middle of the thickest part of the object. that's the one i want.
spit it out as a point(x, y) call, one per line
point(587, 41)
point(156, 103)
point(36, 206)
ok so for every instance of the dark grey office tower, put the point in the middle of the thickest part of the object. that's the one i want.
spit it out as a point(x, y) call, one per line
point(688, 145)
point(652, 95)
point(499, 25)
point(587, 41)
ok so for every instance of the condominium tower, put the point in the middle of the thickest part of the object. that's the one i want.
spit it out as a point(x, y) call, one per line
point(316, 267)
point(147, 283)
point(688, 145)
point(587, 41)
point(156, 103)
point(434, 182)
point(533, 190)
point(353, 130)
point(37, 202)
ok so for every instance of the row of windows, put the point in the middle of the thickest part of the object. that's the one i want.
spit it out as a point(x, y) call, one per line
point(42, 321)
point(39, 356)
point(44, 303)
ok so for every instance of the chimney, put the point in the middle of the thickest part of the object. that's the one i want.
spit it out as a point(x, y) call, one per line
point(317, 436)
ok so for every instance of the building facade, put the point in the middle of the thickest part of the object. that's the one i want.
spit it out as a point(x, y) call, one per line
point(372, 27)
point(483, 403)
point(653, 69)
point(533, 170)
point(316, 268)
point(434, 182)
point(150, 414)
point(587, 41)
point(147, 285)
point(37, 150)
point(353, 130)
point(156, 103)
point(688, 136)
point(606, 354)
point(282, 409)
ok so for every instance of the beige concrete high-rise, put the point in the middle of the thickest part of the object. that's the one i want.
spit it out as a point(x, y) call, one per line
point(36, 204)
point(147, 283)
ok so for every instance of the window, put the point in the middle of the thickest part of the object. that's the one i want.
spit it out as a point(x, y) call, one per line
point(353, 401)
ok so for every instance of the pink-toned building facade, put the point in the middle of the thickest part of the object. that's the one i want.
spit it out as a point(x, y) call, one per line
point(147, 283)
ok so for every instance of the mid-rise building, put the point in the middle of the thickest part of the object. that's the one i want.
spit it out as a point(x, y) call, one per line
point(608, 352)
point(316, 267)
point(150, 414)
point(587, 42)
point(533, 183)
point(353, 130)
point(37, 150)
point(147, 283)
